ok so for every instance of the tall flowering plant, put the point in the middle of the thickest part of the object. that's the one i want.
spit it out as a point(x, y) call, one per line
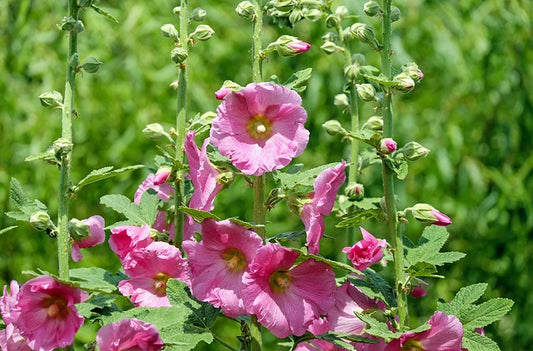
point(182, 267)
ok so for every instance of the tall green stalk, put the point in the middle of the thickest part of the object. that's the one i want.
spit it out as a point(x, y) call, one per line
point(388, 176)
point(181, 118)
point(63, 237)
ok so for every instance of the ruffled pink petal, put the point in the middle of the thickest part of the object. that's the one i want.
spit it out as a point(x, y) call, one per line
point(152, 181)
point(326, 186)
point(124, 239)
point(142, 292)
point(129, 334)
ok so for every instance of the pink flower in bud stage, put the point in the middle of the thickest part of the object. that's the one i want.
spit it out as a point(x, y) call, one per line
point(96, 237)
point(47, 317)
point(387, 146)
point(441, 219)
point(157, 183)
point(326, 186)
point(125, 239)
point(260, 127)
point(366, 252)
point(287, 299)
point(446, 334)
point(218, 263)
point(221, 93)
point(299, 46)
point(129, 334)
point(150, 268)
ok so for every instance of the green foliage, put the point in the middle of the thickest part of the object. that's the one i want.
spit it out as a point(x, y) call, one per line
point(298, 179)
point(141, 214)
point(374, 286)
point(299, 80)
point(104, 173)
point(26, 206)
point(428, 249)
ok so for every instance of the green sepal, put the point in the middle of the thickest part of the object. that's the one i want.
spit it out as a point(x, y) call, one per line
point(398, 167)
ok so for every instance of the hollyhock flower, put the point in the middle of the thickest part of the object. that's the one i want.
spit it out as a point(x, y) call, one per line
point(428, 214)
point(160, 224)
point(317, 327)
point(419, 291)
point(446, 334)
point(96, 236)
point(125, 239)
point(8, 303)
point(48, 318)
point(218, 263)
point(221, 93)
point(150, 268)
point(322, 199)
point(157, 183)
point(260, 127)
point(365, 252)
point(287, 45)
point(129, 334)
point(287, 299)
point(441, 219)
point(387, 146)
point(12, 340)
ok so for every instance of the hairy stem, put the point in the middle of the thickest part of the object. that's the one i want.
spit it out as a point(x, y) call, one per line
point(181, 118)
point(388, 176)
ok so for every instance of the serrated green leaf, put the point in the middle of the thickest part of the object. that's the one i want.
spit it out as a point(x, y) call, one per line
point(18, 215)
point(142, 214)
point(447, 257)
point(5, 230)
point(473, 341)
point(104, 13)
point(198, 214)
point(289, 181)
point(346, 336)
point(422, 269)
point(298, 80)
point(466, 296)
point(339, 265)
point(104, 173)
point(94, 279)
point(245, 224)
point(96, 302)
point(203, 314)
point(486, 313)
point(353, 219)
point(398, 166)
point(377, 328)
point(428, 247)
point(26, 206)
point(287, 236)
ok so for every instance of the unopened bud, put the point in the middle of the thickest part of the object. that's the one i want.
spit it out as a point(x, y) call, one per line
point(330, 47)
point(51, 99)
point(413, 71)
point(198, 14)
point(372, 8)
point(366, 92)
point(296, 16)
point(70, 24)
point(227, 87)
point(78, 230)
point(394, 14)
point(333, 127)
point(351, 72)
point(203, 32)
point(168, 30)
point(40, 220)
point(287, 45)
point(154, 131)
point(414, 151)
point(341, 101)
point(179, 55)
point(312, 15)
point(355, 191)
point(332, 21)
point(373, 123)
point(245, 9)
point(341, 12)
point(427, 213)
point(62, 147)
point(403, 82)
point(330, 36)
point(358, 59)
point(387, 146)
point(365, 33)
point(176, 10)
point(91, 65)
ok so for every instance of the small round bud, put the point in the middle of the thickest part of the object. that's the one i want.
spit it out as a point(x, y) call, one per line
point(168, 30)
point(403, 82)
point(51, 99)
point(413, 71)
point(62, 147)
point(70, 24)
point(40, 220)
point(203, 32)
point(365, 33)
point(74, 61)
point(176, 10)
point(366, 92)
point(372, 8)
point(355, 191)
point(154, 131)
point(330, 47)
point(198, 14)
point(332, 21)
point(178, 55)
point(373, 123)
point(330, 36)
point(333, 127)
point(246, 10)
point(91, 65)
point(341, 100)
point(341, 12)
point(394, 14)
point(414, 151)
point(312, 15)
point(351, 72)
point(358, 59)
point(287, 45)
point(387, 146)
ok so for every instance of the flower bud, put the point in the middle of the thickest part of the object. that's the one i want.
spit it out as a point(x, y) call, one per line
point(70, 24)
point(403, 82)
point(387, 146)
point(358, 59)
point(40, 220)
point(373, 123)
point(355, 191)
point(62, 147)
point(351, 72)
point(365, 33)
point(227, 87)
point(91, 65)
point(176, 10)
point(330, 36)
point(287, 45)
point(168, 30)
point(77, 229)
point(155, 131)
point(419, 291)
point(427, 213)
point(414, 151)
point(366, 92)
point(203, 32)
point(333, 127)
point(225, 177)
point(332, 21)
point(372, 8)
point(413, 71)
point(198, 14)
point(74, 61)
point(51, 99)
point(394, 14)
point(296, 16)
point(330, 47)
point(178, 55)
point(341, 101)
point(312, 15)
point(246, 10)
point(341, 12)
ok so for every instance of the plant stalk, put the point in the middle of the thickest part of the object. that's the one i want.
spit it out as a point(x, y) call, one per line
point(388, 176)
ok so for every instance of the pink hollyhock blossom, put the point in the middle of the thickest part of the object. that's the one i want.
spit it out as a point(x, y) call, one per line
point(441, 219)
point(96, 236)
point(129, 334)
point(218, 263)
point(446, 334)
point(150, 268)
point(260, 127)
point(221, 93)
point(8, 303)
point(322, 199)
point(157, 183)
point(428, 214)
point(419, 291)
point(366, 252)
point(125, 239)
point(387, 145)
point(160, 224)
point(12, 340)
point(287, 299)
point(48, 318)
point(318, 326)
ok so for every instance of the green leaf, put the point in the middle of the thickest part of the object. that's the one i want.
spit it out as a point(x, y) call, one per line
point(26, 206)
point(428, 247)
point(104, 13)
point(287, 236)
point(356, 218)
point(473, 341)
point(142, 214)
point(375, 287)
point(198, 214)
point(377, 328)
point(94, 279)
point(104, 173)
point(339, 265)
point(367, 136)
point(423, 269)
point(290, 181)
point(298, 81)
point(5, 230)
point(97, 303)
point(486, 313)
point(399, 167)
point(465, 297)
point(334, 337)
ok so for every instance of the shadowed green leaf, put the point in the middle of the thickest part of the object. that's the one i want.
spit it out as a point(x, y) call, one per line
point(104, 173)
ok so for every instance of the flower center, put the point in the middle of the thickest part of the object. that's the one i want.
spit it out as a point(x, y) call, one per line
point(412, 345)
point(160, 283)
point(56, 306)
point(259, 127)
point(235, 260)
point(280, 281)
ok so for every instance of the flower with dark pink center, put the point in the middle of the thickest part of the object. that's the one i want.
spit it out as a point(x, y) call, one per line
point(129, 334)
point(366, 252)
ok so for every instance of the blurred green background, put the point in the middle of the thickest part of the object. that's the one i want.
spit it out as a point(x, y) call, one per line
point(474, 110)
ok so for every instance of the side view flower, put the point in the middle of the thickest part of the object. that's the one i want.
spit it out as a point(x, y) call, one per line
point(96, 236)
point(129, 334)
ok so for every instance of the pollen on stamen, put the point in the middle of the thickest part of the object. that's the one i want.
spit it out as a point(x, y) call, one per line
point(260, 129)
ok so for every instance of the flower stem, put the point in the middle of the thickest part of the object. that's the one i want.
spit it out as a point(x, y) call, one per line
point(388, 176)
point(259, 205)
point(66, 157)
point(181, 118)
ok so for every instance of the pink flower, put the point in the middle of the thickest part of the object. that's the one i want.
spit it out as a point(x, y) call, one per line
point(441, 219)
point(221, 93)
point(299, 46)
point(12, 340)
point(287, 299)
point(326, 186)
point(125, 239)
point(287, 45)
point(129, 334)
point(387, 146)
point(428, 214)
point(48, 318)
point(8, 303)
point(150, 268)
point(366, 252)
point(260, 127)
point(419, 291)
point(446, 334)
point(157, 183)
point(160, 224)
point(218, 263)
point(96, 236)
